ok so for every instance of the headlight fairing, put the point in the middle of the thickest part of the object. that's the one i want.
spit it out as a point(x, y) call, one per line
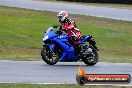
point(45, 38)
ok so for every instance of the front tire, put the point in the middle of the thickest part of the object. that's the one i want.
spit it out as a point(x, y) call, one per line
point(49, 57)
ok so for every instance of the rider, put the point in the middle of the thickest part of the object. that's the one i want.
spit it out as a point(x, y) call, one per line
point(70, 28)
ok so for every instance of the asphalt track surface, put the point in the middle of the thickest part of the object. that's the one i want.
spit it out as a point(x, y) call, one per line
point(115, 13)
point(38, 72)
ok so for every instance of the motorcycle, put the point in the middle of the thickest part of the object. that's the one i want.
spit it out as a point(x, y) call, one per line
point(57, 47)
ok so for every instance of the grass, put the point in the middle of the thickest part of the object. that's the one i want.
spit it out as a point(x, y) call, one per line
point(53, 86)
point(121, 6)
point(21, 33)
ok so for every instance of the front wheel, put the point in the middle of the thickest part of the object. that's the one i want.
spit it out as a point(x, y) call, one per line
point(92, 57)
point(50, 57)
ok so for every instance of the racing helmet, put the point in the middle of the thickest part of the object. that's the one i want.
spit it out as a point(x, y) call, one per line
point(62, 15)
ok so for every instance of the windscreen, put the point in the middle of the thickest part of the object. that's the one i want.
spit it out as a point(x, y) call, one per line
point(48, 30)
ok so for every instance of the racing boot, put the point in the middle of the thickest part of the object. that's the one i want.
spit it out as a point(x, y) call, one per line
point(95, 47)
point(92, 42)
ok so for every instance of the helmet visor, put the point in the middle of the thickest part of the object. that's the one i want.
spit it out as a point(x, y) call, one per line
point(59, 17)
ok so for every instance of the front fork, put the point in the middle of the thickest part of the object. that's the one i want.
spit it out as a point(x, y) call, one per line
point(50, 46)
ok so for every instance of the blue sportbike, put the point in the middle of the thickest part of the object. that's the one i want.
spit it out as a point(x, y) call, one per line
point(57, 47)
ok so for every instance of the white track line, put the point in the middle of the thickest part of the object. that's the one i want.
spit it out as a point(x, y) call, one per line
point(66, 84)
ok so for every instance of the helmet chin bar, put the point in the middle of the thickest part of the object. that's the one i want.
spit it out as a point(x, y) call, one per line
point(63, 20)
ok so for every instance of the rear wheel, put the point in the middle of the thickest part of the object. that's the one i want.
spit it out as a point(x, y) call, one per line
point(50, 57)
point(91, 58)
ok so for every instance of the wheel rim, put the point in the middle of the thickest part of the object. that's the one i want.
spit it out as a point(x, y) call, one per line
point(92, 59)
point(51, 56)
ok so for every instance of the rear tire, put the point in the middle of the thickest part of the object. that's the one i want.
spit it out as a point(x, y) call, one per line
point(91, 61)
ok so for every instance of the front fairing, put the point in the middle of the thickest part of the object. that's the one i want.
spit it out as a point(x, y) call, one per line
point(64, 36)
point(62, 41)
point(49, 34)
